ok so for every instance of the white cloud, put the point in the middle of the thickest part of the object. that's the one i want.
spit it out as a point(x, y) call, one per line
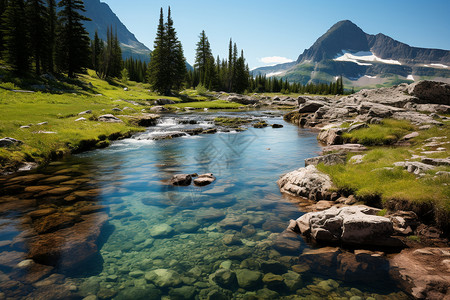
point(274, 60)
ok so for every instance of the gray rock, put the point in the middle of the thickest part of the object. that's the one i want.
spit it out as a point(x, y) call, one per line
point(436, 161)
point(7, 142)
point(430, 92)
point(306, 182)
point(344, 148)
point(80, 119)
point(328, 159)
point(109, 118)
point(414, 167)
point(85, 112)
point(357, 127)
point(310, 106)
point(116, 109)
point(354, 225)
point(331, 136)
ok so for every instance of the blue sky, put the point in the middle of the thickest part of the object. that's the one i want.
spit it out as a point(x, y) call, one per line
point(284, 28)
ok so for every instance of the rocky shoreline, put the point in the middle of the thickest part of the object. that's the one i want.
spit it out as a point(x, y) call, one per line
point(362, 233)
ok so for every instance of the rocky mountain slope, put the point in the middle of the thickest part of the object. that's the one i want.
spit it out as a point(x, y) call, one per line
point(364, 60)
point(102, 18)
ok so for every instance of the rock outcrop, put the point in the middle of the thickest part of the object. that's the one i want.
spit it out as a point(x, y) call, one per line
point(402, 102)
point(358, 225)
point(306, 182)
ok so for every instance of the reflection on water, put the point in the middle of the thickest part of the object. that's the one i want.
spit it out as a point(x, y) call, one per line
point(106, 224)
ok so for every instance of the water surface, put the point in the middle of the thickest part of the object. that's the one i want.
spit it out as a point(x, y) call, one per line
point(223, 240)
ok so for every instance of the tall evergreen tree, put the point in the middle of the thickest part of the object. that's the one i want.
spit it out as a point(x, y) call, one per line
point(15, 36)
point(52, 21)
point(3, 4)
point(73, 40)
point(167, 68)
point(96, 51)
point(157, 66)
point(37, 28)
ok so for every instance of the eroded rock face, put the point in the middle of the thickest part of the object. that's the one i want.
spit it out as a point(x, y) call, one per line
point(424, 273)
point(430, 92)
point(306, 182)
point(351, 225)
point(69, 247)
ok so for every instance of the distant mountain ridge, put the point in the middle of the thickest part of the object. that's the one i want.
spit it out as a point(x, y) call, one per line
point(364, 60)
point(103, 18)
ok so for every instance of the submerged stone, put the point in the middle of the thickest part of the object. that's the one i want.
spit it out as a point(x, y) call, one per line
point(163, 277)
point(161, 230)
point(248, 279)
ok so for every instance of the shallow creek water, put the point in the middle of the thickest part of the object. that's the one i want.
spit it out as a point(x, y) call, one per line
point(221, 241)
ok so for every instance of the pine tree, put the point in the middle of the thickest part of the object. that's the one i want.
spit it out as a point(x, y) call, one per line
point(96, 51)
point(52, 21)
point(3, 4)
point(37, 16)
point(157, 65)
point(167, 68)
point(73, 40)
point(15, 38)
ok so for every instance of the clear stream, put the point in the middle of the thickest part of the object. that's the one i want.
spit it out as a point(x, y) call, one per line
point(172, 242)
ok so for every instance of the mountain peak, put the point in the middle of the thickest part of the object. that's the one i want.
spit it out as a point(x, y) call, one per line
point(344, 35)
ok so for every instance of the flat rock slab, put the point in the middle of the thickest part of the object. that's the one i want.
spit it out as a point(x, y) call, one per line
point(424, 273)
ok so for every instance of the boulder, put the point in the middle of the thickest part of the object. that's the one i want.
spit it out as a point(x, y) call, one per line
point(7, 142)
point(69, 248)
point(310, 106)
point(430, 92)
point(306, 182)
point(85, 112)
point(331, 136)
point(328, 159)
point(277, 126)
point(109, 118)
point(204, 179)
point(358, 225)
point(181, 179)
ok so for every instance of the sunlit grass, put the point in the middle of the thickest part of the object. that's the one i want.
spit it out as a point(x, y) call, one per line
point(386, 133)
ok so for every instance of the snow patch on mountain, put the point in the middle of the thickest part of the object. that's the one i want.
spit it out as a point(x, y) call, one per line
point(363, 57)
